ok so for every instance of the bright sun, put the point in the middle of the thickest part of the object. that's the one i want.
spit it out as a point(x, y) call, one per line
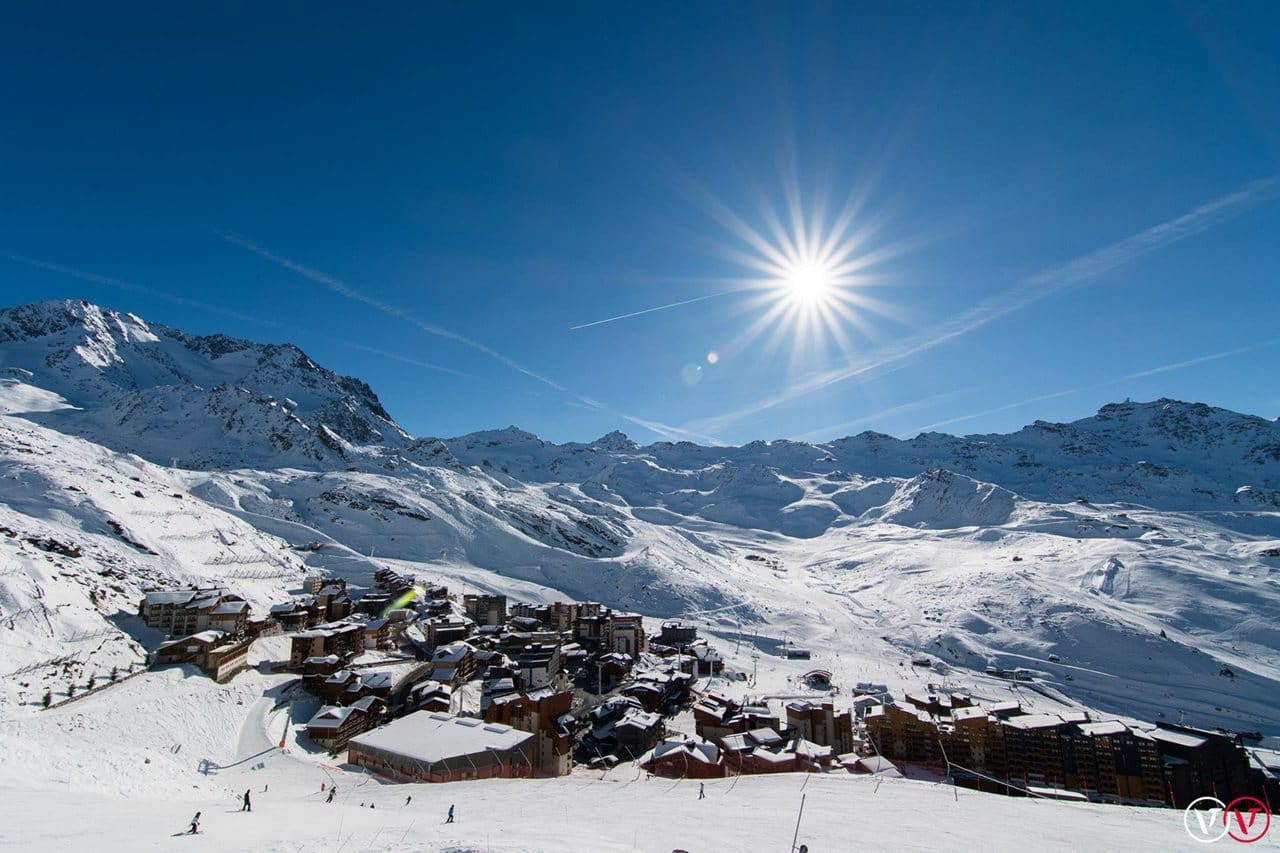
point(808, 282)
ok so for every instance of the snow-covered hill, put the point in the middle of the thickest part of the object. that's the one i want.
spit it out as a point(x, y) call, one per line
point(1140, 547)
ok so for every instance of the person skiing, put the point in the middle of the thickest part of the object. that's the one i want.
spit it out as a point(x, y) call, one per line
point(247, 806)
point(449, 819)
point(195, 825)
point(408, 799)
point(702, 791)
point(332, 792)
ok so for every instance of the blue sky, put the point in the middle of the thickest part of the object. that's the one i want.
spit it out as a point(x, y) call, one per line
point(1051, 205)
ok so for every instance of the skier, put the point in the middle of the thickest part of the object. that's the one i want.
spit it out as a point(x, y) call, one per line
point(195, 825)
point(264, 788)
point(247, 806)
point(449, 819)
point(702, 791)
point(332, 792)
point(408, 799)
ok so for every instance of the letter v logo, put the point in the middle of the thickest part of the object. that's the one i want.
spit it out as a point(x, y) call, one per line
point(1203, 820)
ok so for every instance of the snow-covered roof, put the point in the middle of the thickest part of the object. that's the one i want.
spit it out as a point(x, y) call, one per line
point(1178, 738)
point(809, 749)
point(1034, 721)
point(639, 720)
point(378, 680)
point(879, 765)
point(960, 714)
point(169, 596)
point(1103, 728)
point(453, 652)
point(330, 717)
point(228, 608)
point(431, 737)
point(695, 750)
point(765, 736)
point(319, 659)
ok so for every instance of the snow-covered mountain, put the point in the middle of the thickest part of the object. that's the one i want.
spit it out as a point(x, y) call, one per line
point(210, 401)
point(1140, 547)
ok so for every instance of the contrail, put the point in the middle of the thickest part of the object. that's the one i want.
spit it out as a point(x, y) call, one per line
point(343, 289)
point(130, 287)
point(651, 310)
point(425, 365)
point(1191, 362)
point(1166, 368)
point(1023, 294)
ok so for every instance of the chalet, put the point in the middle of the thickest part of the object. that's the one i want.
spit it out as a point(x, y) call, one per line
point(217, 653)
point(757, 751)
point(182, 612)
point(441, 630)
point(637, 732)
point(316, 669)
point(486, 609)
point(346, 640)
point(546, 715)
point(822, 724)
point(611, 669)
point(706, 660)
point(873, 764)
point(677, 634)
point(716, 716)
point(332, 602)
point(453, 663)
point(378, 634)
point(332, 727)
point(685, 759)
point(491, 663)
point(296, 615)
point(263, 628)
point(431, 747)
point(430, 696)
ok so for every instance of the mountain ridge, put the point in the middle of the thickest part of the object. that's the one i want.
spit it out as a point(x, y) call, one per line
point(1138, 545)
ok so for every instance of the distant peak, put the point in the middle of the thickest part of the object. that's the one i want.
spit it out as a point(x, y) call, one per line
point(616, 440)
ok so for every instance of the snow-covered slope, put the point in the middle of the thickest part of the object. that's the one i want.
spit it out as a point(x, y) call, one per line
point(1140, 547)
point(204, 401)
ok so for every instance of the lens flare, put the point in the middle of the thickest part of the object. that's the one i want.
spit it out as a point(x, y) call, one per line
point(404, 600)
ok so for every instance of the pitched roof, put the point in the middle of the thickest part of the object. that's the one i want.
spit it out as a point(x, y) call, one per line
point(432, 737)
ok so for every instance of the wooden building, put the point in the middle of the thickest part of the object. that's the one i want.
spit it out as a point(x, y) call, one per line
point(431, 747)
